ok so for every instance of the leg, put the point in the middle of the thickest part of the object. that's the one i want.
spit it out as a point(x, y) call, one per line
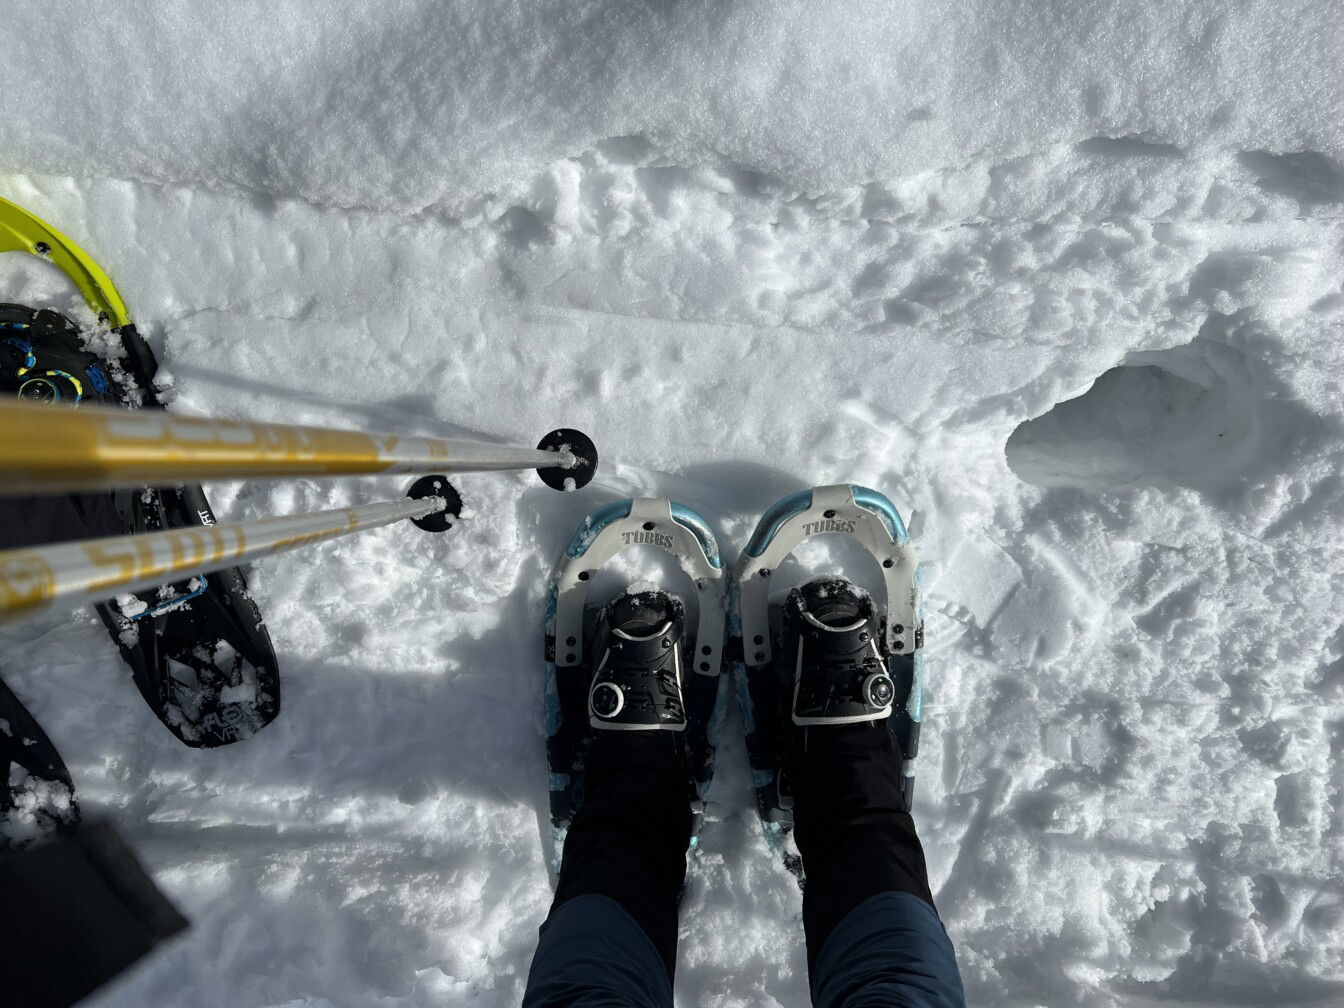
point(78, 909)
point(873, 935)
point(611, 937)
point(592, 954)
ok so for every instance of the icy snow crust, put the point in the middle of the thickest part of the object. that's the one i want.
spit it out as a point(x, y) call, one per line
point(1064, 282)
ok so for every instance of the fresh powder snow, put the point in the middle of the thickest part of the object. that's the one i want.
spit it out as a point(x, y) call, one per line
point(1065, 281)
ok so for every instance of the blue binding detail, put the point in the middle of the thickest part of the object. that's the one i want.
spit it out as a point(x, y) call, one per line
point(594, 524)
point(97, 378)
point(774, 519)
point(79, 397)
point(25, 346)
point(877, 503)
point(698, 527)
point(173, 603)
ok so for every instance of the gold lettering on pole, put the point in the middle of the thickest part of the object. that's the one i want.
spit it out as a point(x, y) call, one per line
point(27, 582)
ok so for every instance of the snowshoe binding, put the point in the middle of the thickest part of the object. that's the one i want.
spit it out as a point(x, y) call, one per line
point(37, 798)
point(630, 665)
point(198, 650)
point(636, 658)
point(825, 653)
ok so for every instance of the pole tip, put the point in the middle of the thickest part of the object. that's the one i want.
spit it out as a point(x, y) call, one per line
point(578, 444)
point(436, 486)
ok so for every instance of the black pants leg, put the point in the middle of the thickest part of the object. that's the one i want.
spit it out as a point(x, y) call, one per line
point(854, 836)
point(75, 910)
point(628, 841)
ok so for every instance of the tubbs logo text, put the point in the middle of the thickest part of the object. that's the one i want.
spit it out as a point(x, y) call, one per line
point(648, 539)
point(828, 525)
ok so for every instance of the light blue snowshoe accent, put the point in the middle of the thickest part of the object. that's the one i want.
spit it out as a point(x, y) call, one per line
point(914, 705)
point(878, 504)
point(774, 519)
point(594, 524)
point(693, 522)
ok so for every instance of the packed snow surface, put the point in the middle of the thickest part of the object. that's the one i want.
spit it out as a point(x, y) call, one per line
point(1063, 280)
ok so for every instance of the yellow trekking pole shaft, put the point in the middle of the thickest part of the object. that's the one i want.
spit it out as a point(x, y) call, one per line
point(46, 448)
point(35, 580)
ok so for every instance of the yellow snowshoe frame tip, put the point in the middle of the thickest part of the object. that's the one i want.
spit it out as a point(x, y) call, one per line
point(20, 231)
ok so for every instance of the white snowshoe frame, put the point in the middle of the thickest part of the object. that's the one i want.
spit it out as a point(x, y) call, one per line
point(623, 525)
point(862, 514)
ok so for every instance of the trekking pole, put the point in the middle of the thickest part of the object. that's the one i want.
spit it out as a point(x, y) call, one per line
point(37, 579)
point(47, 449)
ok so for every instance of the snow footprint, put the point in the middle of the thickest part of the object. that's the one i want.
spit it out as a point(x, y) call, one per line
point(1184, 417)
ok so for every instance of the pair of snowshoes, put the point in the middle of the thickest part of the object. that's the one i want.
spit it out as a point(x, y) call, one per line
point(820, 653)
point(198, 650)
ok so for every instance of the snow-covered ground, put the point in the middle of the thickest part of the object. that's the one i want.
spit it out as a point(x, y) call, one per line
point(1065, 280)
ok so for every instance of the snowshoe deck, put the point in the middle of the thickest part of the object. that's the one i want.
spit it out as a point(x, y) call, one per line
point(570, 625)
point(763, 673)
